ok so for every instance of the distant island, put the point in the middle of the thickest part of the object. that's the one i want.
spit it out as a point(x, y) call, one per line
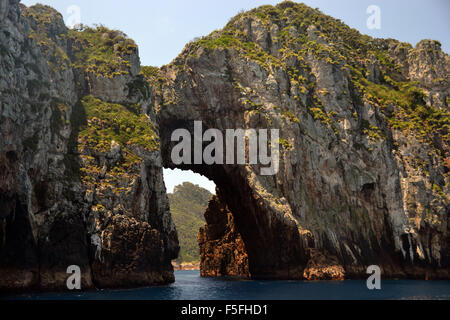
point(187, 205)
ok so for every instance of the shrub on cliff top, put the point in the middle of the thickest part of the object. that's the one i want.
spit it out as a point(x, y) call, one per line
point(101, 50)
point(49, 32)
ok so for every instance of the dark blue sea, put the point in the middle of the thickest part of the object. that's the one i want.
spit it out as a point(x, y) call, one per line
point(190, 286)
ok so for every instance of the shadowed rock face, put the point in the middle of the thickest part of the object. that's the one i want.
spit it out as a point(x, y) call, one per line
point(77, 188)
point(223, 251)
point(363, 171)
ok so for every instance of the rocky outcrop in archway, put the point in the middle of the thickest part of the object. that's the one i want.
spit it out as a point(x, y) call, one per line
point(84, 134)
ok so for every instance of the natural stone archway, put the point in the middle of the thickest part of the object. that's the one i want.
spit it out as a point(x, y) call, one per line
point(277, 246)
point(223, 251)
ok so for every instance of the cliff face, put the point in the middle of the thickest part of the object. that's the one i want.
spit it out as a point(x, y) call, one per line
point(363, 125)
point(80, 169)
point(84, 134)
point(222, 250)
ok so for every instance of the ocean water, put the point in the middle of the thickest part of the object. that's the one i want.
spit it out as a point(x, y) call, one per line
point(190, 286)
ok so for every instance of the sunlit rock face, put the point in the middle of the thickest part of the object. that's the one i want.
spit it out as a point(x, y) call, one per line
point(364, 157)
point(364, 163)
point(77, 188)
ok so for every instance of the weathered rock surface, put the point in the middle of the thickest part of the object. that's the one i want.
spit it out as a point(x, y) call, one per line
point(186, 265)
point(363, 126)
point(323, 266)
point(63, 199)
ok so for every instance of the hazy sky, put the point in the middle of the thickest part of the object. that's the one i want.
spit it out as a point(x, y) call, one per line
point(162, 28)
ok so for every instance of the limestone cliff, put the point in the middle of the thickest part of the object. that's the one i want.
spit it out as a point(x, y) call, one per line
point(84, 133)
point(365, 144)
point(80, 169)
point(222, 249)
point(187, 206)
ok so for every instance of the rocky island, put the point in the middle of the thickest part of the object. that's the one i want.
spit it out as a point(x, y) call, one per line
point(85, 132)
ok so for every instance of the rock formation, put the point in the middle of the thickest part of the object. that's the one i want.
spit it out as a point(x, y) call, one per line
point(363, 126)
point(84, 134)
point(222, 249)
point(186, 265)
point(81, 173)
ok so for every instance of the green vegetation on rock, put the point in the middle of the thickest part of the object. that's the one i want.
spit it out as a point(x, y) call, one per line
point(102, 51)
point(45, 22)
point(303, 33)
point(188, 203)
point(411, 114)
point(293, 20)
point(109, 124)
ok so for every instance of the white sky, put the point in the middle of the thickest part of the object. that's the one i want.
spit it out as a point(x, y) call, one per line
point(175, 177)
point(162, 28)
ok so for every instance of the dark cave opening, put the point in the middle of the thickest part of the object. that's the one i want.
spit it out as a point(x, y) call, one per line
point(272, 247)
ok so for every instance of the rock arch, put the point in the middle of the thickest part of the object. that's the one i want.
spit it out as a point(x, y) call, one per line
point(239, 220)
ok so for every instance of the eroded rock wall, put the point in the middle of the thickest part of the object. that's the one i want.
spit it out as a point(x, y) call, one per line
point(222, 250)
point(363, 173)
point(364, 156)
